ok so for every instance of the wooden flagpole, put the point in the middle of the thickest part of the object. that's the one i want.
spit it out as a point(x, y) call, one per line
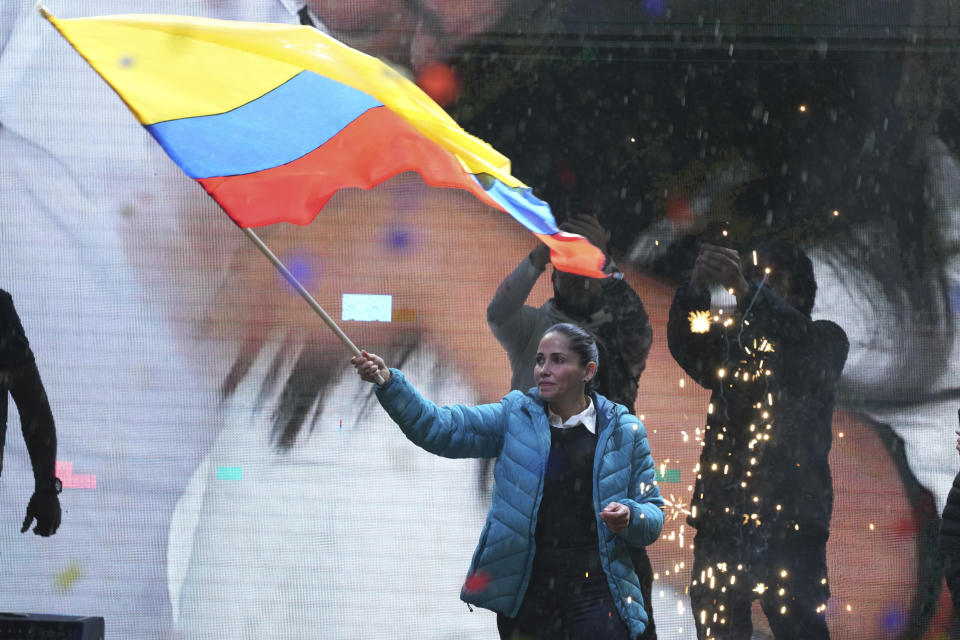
point(282, 268)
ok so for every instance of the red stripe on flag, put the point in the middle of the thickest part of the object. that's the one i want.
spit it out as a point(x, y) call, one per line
point(574, 254)
point(370, 150)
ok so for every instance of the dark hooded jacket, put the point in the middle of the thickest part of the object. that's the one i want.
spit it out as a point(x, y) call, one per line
point(950, 542)
point(773, 372)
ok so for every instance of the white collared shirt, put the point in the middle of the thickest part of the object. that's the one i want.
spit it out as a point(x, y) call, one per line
point(587, 417)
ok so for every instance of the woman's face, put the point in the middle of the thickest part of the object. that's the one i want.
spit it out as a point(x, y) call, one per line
point(559, 374)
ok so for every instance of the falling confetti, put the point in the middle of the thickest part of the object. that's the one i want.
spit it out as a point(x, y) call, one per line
point(477, 582)
point(68, 577)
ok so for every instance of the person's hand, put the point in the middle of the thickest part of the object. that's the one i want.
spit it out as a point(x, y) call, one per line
point(540, 256)
point(958, 441)
point(718, 265)
point(617, 517)
point(588, 227)
point(44, 507)
point(369, 365)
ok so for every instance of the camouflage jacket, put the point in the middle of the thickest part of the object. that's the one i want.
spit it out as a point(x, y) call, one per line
point(620, 323)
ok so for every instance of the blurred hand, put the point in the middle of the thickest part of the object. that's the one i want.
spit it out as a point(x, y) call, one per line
point(616, 516)
point(588, 227)
point(44, 507)
point(718, 265)
point(958, 441)
point(540, 256)
point(369, 365)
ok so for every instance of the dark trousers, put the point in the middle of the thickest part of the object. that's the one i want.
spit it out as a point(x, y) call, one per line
point(565, 608)
point(788, 577)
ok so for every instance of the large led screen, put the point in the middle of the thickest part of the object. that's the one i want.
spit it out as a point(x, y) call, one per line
point(227, 475)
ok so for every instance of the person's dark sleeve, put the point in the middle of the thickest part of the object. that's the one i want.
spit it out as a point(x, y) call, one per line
point(14, 346)
point(833, 349)
point(19, 367)
point(950, 542)
point(36, 420)
point(509, 318)
point(699, 354)
point(635, 335)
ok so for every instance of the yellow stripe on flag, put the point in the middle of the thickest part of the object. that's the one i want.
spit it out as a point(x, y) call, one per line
point(166, 74)
point(167, 67)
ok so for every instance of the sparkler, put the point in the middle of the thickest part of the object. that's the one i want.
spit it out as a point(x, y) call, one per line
point(699, 321)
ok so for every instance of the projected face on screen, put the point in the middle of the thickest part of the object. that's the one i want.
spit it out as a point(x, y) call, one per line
point(225, 474)
point(422, 32)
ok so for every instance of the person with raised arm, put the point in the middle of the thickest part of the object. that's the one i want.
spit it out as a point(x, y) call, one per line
point(573, 491)
point(763, 496)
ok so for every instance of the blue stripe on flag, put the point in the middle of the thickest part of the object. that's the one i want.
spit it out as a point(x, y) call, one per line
point(529, 210)
point(278, 127)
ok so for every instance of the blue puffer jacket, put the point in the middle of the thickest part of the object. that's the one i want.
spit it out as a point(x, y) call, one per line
point(517, 433)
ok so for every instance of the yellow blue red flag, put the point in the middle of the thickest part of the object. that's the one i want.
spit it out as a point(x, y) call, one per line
point(273, 119)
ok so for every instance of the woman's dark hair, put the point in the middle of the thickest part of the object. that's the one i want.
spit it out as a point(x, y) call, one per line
point(791, 258)
point(581, 343)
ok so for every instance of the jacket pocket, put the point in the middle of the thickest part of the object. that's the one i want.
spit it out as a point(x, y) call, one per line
point(481, 545)
point(477, 579)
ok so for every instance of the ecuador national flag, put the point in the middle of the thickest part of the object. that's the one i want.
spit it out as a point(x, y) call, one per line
point(273, 119)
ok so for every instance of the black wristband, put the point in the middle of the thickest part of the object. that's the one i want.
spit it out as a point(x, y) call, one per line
point(48, 485)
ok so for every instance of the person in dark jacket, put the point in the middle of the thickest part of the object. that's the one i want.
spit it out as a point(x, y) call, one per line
point(573, 490)
point(19, 376)
point(950, 537)
point(763, 496)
